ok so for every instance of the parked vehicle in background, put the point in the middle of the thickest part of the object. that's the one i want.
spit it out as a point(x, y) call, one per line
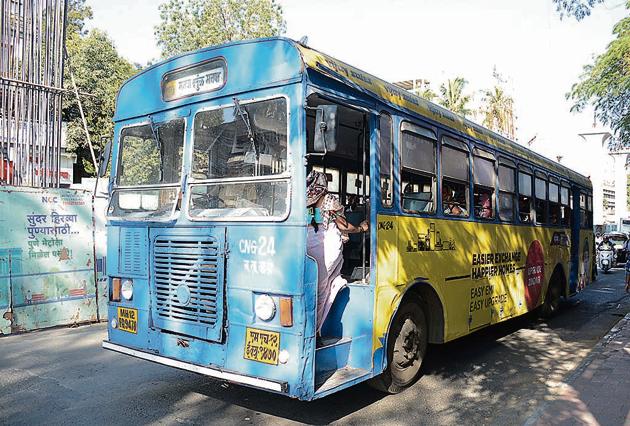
point(624, 226)
point(618, 240)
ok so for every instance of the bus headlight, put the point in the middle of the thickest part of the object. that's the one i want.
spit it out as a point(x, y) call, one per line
point(127, 289)
point(265, 307)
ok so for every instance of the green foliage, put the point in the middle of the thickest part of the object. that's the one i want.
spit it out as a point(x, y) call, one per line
point(192, 24)
point(579, 9)
point(99, 71)
point(142, 172)
point(497, 108)
point(452, 96)
point(78, 14)
point(605, 84)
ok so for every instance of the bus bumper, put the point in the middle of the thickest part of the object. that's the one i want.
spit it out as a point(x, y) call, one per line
point(280, 387)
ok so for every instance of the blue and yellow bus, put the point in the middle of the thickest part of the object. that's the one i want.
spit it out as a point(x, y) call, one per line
point(207, 222)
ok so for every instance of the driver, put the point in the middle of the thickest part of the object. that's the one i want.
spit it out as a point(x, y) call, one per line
point(605, 244)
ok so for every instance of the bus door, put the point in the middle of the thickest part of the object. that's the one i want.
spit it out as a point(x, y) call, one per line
point(343, 352)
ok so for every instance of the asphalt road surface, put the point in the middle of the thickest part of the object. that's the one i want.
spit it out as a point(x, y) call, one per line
point(496, 376)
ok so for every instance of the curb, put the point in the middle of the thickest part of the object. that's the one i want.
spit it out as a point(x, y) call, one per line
point(597, 350)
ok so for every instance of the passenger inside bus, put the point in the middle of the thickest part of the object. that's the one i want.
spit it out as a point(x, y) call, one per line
point(348, 171)
point(483, 204)
point(327, 232)
point(454, 199)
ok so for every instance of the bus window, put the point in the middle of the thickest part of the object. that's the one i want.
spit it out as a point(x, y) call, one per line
point(418, 173)
point(484, 177)
point(565, 207)
point(507, 189)
point(223, 147)
point(161, 160)
point(583, 217)
point(354, 184)
point(525, 197)
point(455, 172)
point(385, 148)
point(589, 209)
point(554, 204)
point(541, 201)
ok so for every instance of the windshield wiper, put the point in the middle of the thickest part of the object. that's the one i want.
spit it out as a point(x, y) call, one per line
point(155, 132)
point(250, 133)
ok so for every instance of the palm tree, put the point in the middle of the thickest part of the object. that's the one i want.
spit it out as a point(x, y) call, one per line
point(452, 96)
point(424, 91)
point(498, 111)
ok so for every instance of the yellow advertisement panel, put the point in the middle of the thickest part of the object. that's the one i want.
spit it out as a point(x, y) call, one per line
point(482, 273)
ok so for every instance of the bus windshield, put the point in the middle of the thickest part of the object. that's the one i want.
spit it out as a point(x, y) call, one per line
point(240, 153)
point(150, 155)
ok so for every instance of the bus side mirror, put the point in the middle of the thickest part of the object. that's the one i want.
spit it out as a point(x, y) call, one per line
point(325, 138)
point(104, 160)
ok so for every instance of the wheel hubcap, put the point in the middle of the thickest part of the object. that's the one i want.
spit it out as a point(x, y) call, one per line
point(407, 346)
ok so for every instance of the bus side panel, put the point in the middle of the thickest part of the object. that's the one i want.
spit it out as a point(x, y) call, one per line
point(482, 272)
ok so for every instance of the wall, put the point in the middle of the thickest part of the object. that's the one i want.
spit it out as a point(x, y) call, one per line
point(47, 259)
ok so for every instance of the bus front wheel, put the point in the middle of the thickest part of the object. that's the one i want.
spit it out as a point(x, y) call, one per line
point(406, 348)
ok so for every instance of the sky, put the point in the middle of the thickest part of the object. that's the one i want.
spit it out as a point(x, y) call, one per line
point(539, 54)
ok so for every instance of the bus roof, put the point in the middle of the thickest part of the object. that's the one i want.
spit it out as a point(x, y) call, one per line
point(278, 60)
point(401, 98)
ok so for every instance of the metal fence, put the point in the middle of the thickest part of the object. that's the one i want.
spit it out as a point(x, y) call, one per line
point(32, 34)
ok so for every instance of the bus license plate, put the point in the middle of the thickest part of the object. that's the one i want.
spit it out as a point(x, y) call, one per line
point(262, 345)
point(128, 320)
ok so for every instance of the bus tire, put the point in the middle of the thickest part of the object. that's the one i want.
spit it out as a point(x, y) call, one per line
point(551, 305)
point(406, 348)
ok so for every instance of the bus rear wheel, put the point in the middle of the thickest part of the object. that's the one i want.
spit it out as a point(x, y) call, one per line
point(406, 349)
point(551, 305)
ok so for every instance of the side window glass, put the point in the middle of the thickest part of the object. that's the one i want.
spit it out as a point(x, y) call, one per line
point(417, 173)
point(386, 146)
point(583, 216)
point(554, 204)
point(525, 197)
point(455, 175)
point(484, 177)
point(565, 207)
point(507, 193)
point(541, 201)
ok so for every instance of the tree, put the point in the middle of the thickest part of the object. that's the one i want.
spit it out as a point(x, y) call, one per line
point(605, 84)
point(192, 24)
point(78, 14)
point(497, 108)
point(424, 91)
point(452, 96)
point(99, 71)
point(579, 9)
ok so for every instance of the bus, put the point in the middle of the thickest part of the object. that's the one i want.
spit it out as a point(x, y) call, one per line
point(207, 222)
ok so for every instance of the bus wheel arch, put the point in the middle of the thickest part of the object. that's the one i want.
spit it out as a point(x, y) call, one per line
point(417, 321)
point(432, 306)
point(556, 289)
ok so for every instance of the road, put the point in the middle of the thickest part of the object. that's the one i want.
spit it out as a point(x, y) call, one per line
point(496, 376)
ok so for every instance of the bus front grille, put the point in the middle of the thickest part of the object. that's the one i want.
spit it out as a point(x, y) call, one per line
point(188, 285)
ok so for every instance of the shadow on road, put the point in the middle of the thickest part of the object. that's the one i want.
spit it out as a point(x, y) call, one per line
point(497, 375)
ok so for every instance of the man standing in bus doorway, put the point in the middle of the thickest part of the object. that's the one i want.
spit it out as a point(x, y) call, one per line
point(327, 231)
